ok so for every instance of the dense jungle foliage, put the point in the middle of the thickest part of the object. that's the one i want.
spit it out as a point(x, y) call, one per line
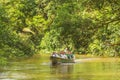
point(85, 26)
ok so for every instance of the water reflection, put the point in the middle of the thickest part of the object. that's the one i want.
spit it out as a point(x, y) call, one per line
point(62, 68)
point(62, 71)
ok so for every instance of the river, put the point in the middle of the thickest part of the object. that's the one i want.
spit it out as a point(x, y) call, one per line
point(40, 68)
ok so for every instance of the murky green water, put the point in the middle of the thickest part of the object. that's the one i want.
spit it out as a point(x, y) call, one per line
point(41, 69)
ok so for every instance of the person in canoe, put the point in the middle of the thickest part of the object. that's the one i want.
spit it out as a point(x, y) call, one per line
point(68, 53)
point(54, 54)
point(63, 55)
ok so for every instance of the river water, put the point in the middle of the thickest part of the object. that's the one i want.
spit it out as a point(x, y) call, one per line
point(40, 68)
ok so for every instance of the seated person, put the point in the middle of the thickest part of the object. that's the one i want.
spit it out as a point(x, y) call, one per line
point(68, 53)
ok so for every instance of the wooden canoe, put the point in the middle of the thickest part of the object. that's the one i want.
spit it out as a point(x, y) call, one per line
point(57, 60)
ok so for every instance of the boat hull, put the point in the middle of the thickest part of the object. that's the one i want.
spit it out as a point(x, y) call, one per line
point(57, 60)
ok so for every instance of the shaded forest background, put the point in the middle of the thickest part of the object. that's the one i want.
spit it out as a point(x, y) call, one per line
point(40, 26)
